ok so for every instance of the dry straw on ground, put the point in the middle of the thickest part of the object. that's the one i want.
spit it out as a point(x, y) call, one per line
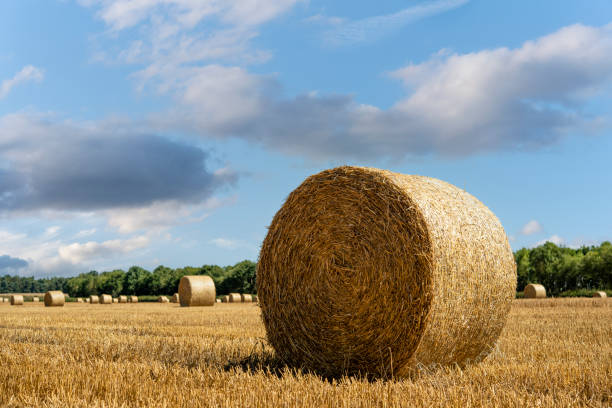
point(175, 298)
point(600, 294)
point(54, 298)
point(246, 298)
point(163, 299)
point(534, 291)
point(197, 290)
point(94, 299)
point(106, 299)
point(133, 299)
point(123, 299)
point(234, 298)
point(16, 300)
point(369, 271)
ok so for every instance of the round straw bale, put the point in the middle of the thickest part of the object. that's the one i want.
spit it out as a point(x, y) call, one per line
point(16, 300)
point(234, 298)
point(133, 299)
point(246, 298)
point(54, 298)
point(163, 299)
point(94, 299)
point(225, 299)
point(35, 299)
point(217, 300)
point(123, 299)
point(197, 290)
point(353, 248)
point(534, 290)
point(115, 300)
point(600, 294)
point(106, 300)
point(79, 300)
point(175, 298)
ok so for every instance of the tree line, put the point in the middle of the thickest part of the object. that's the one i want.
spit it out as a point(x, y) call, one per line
point(137, 281)
point(559, 269)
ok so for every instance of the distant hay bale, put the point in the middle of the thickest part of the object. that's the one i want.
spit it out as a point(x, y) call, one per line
point(217, 300)
point(234, 298)
point(79, 300)
point(35, 299)
point(534, 291)
point(94, 299)
point(106, 300)
point(86, 300)
point(225, 299)
point(16, 300)
point(197, 290)
point(133, 299)
point(163, 299)
point(373, 272)
point(600, 294)
point(175, 298)
point(115, 300)
point(123, 299)
point(54, 298)
point(246, 298)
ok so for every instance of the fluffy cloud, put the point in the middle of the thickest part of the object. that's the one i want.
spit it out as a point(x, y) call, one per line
point(64, 166)
point(27, 73)
point(521, 98)
point(77, 253)
point(532, 227)
point(8, 263)
point(555, 239)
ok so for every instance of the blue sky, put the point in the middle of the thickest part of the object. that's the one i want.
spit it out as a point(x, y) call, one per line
point(170, 131)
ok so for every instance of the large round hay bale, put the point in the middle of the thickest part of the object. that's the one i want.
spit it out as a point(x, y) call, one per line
point(197, 290)
point(246, 298)
point(234, 298)
point(94, 299)
point(600, 294)
point(106, 300)
point(54, 298)
point(369, 271)
point(534, 291)
point(163, 299)
point(133, 299)
point(16, 300)
point(175, 298)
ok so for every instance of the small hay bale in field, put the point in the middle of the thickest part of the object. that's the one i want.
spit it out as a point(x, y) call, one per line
point(225, 299)
point(217, 300)
point(197, 290)
point(35, 299)
point(123, 299)
point(133, 299)
point(79, 300)
point(600, 294)
point(106, 300)
point(16, 300)
point(246, 298)
point(163, 299)
point(374, 272)
point(54, 298)
point(534, 291)
point(94, 299)
point(175, 298)
point(115, 300)
point(234, 298)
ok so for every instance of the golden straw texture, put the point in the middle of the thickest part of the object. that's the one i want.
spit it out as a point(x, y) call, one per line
point(106, 299)
point(534, 290)
point(198, 290)
point(373, 272)
point(54, 298)
point(234, 298)
point(600, 294)
point(16, 300)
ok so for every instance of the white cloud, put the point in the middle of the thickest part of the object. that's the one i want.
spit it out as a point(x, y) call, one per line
point(52, 231)
point(532, 227)
point(77, 253)
point(27, 73)
point(555, 239)
point(371, 29)
point(85, 233)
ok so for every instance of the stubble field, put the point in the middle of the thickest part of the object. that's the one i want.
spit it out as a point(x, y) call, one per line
point(553, 352)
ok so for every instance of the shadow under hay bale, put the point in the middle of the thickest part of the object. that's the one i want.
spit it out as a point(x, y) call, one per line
point(354, 247)
point(54, 298)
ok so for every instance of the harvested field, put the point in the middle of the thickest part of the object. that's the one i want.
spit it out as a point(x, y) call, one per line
point(552, 352)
